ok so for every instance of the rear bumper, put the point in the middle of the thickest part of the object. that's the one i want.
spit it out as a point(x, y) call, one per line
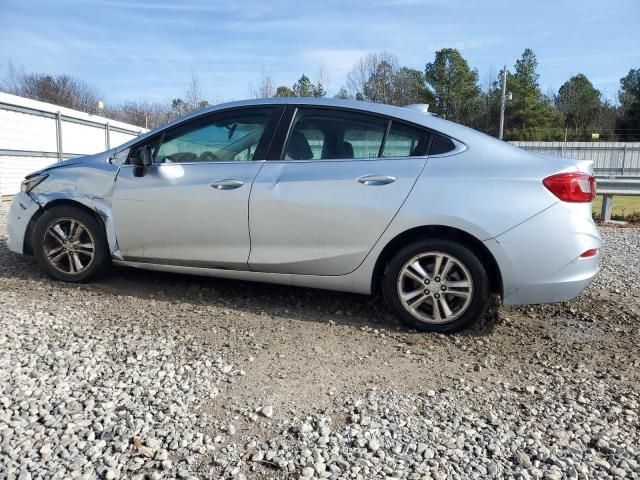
point(22, 210)
point(548, 292)
point(540, 259)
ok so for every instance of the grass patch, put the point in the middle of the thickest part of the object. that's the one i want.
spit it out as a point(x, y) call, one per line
point(623, 205)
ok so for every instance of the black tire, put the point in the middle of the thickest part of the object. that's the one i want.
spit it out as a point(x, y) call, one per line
point(468, 310)
point(92, 232)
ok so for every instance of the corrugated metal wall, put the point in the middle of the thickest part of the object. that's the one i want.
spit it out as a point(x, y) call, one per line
point(611, 158)
point(35, 134)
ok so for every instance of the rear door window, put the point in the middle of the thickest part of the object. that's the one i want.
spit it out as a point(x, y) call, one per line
point(406, 141)
point(326, 134)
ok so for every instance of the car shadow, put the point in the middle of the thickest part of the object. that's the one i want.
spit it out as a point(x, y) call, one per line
point(306, 304)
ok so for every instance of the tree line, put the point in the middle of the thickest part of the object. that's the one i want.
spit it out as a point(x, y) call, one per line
point(448, 84)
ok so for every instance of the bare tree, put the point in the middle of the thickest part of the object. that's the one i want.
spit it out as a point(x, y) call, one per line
point(141, 113)
point(62, 90)
point(368, 71)
point(377, 77)
point(193, 98)
point(322, 80)
point(12, 82)
point(487, 109)
point(266, 87)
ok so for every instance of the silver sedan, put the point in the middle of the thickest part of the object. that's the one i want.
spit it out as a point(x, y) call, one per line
point(327, 194)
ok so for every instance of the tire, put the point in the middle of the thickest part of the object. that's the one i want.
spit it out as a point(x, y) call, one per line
point(80, 259)
point(414, 302)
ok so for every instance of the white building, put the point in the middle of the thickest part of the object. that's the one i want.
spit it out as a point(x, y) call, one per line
point(36, 134)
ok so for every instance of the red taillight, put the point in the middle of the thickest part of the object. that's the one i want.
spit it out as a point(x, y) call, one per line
point(592, 252)
point(572, 187)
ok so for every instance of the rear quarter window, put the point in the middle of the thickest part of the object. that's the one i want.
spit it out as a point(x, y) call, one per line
point(441, 144)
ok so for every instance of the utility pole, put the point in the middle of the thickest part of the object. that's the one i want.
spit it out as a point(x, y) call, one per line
point(503, 101)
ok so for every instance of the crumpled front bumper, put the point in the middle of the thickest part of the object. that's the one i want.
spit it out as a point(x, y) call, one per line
point(22, 210)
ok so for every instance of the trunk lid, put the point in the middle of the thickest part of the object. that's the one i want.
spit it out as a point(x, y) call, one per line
point(584, 166)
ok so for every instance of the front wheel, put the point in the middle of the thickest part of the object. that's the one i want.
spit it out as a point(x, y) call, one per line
point(69, 244)
point(436, 285)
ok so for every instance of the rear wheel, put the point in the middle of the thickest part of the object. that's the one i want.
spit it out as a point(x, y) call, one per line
point(70, 245)
point(436, 285)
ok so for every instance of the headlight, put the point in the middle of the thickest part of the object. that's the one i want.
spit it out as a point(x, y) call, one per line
point(30, 183)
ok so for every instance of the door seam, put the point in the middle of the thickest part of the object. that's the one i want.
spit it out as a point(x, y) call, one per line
point(262, 162)
point(426, 160)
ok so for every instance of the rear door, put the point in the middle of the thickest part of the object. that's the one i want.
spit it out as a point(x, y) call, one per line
point(191, 206)
point(340, 178)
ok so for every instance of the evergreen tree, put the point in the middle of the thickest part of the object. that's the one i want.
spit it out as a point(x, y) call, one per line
point(284, 91)
point(343, 94)
point(409, 86)
point(579, 102)
point(454, 85)
point(304, 87)
point(530, 115)
point(628, 125)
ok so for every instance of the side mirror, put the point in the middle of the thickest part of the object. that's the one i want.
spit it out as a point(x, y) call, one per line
point(141, 159)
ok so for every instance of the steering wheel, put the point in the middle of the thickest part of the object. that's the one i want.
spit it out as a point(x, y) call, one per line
point(208, 157)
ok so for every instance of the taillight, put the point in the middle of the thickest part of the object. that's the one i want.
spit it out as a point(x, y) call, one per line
point(572, 187)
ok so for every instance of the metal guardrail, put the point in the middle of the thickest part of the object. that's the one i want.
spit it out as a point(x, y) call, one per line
point(618, 185)
point(610, 186)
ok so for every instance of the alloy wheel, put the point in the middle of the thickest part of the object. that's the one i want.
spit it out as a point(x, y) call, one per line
point(69, 246)
point(435, 287)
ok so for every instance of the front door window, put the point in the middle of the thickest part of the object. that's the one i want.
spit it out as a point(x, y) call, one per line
point(217, 138)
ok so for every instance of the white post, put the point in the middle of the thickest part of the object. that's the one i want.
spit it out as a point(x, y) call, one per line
point(503, 101)
point(107, 136)
point(59, 136)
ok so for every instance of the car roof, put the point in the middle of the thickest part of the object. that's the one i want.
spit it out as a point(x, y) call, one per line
point(412, 115)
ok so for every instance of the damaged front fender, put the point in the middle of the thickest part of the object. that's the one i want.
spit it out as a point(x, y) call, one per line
point(88, 183)
point(100, 206)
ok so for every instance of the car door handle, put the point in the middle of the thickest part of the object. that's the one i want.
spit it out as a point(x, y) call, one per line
point(376, 179)
point(227, 184)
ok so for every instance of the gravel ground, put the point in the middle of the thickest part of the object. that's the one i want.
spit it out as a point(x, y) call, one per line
point(147, 375)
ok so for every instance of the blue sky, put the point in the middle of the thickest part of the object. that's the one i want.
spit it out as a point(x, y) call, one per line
point(147, 49)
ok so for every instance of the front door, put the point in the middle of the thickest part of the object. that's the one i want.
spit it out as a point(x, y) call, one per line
point(191, 206)
point(339, 182)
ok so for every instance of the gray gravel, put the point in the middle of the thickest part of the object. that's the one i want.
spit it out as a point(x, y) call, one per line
point(153, 376)
point(479, 432)
point(619, 271)
point(81, 398)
